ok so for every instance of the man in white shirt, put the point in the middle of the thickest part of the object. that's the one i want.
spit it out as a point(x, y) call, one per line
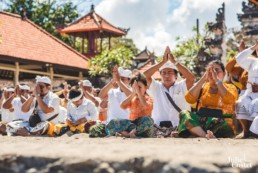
point(47, 103)
point(21, 118)
point(163, 110)
point(7, 115)
point(20, 95)
point(80, 111)
point(121, 78)
point(246, 105)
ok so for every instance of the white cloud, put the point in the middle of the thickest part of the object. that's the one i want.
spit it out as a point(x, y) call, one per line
point(154, 25)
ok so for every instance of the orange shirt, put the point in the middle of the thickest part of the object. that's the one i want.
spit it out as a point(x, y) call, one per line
point(234, 69)
point(137, 110)
point(209, 100)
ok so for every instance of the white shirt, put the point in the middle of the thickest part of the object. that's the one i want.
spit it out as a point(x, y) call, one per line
point(18, 114)
point(52, 100)
point(86, 110)
point(99, 101)
point(6, 115)
point(115, 97)
point(61, 118)
point(250, 65)
point(163, 110)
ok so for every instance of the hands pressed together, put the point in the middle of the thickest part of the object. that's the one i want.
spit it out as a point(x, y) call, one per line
point(168, 56)
point(211, 72)
point(136, 90)
point(115, 75)
point(36, 90)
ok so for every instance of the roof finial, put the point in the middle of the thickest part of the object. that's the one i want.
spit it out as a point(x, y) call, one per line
point(92, 7)
point(23, 14)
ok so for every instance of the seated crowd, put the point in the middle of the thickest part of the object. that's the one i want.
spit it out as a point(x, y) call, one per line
point(133, 104)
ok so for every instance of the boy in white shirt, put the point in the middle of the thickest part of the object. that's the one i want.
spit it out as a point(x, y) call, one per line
point(21, 118)
point(87, 89)
point(16, 100)
point(81, 112)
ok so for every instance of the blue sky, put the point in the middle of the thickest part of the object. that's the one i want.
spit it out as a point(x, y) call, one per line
point(157, 23)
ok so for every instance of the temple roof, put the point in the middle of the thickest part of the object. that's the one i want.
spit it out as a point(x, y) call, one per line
point(93, 22)
point(22, 40)
point(143, 55)
point(147, 65)
point(249, 10)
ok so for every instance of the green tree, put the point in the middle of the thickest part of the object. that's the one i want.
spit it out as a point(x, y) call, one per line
point(231, 53)
point(104, 63)
point(187, 50)
point(49, 14)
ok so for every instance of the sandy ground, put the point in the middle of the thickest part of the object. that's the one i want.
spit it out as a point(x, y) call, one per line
point(81, 147)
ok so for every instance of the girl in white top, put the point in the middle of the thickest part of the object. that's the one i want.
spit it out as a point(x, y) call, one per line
point(116, 91)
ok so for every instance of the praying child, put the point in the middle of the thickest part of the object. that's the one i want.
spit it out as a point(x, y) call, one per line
point(140, 105)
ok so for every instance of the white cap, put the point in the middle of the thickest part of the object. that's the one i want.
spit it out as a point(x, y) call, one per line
point(76, 98)
point(124, 72)
point(86, 83)
point(9, 89)
point(43, 79)
point(168, 64)
point(24, 87)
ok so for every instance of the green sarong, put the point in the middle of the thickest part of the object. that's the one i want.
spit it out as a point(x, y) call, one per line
point(218, 126)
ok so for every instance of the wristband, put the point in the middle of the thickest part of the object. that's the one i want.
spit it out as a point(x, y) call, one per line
point(219, 82)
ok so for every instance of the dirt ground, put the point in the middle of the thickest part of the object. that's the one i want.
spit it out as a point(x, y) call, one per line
point(216, 155)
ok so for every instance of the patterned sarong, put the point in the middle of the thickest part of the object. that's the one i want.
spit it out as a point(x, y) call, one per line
point(98, 130)
point(82, 128)
point(144, 126)
point(22, 128)
point(219, 127)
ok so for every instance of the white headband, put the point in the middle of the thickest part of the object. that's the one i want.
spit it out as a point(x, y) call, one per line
point(24, 87)
point(43, 79)
point(9, 89)
point(86, 83)
point(77, 98)
point(124, 72)
point(168, 65)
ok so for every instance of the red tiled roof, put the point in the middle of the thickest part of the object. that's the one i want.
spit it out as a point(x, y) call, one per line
point(23, 39)
point(92, 22)
point(147, 65)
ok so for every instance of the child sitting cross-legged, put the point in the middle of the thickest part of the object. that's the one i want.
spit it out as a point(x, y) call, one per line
point(81, 112)
point(140, 105)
